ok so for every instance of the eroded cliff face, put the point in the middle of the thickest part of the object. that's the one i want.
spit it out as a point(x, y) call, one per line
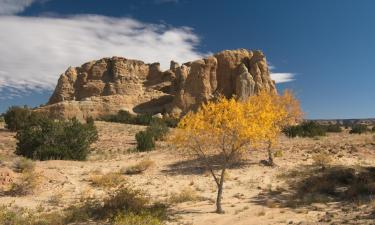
point(108, 85)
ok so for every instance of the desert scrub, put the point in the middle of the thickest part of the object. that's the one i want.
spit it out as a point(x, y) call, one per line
point(322, 159)
point(306, 129)
point(359, 129)
point(185, 195)
point(109, 180)
point(134, 219)
point(21, 216)
point(139, 167)
point(26, 184)
point(139, 119)
point(49, 139)
point(158, 129)
point(333, 128)
point(119, 204)
point(24, 165)
point(126, 117)
point(145, 141)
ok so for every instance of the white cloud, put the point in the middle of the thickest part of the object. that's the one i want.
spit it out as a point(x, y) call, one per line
point(10, 7)
point(36, 50)
point(282, 77)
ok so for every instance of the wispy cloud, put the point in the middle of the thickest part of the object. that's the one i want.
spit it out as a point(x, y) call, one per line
point(36, 50)
point(11, 7)
point(282, 77)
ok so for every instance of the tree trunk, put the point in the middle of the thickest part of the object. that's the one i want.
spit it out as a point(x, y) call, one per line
point(270, 156)
point(220, 193)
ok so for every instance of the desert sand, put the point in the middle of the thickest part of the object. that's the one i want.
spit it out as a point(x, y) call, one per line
point(253, 193)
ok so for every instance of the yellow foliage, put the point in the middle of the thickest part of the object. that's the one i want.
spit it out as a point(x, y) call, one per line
point(226, 128)
point(228, 125)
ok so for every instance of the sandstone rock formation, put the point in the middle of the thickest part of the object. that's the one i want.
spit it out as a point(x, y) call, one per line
point(105, 86)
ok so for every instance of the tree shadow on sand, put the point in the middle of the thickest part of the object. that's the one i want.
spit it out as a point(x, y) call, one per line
point(196, 166)
point(330, 190)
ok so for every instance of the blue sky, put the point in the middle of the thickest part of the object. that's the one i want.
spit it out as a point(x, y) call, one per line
point(328, 45)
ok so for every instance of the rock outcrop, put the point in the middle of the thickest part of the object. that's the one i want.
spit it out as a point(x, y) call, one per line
point(105, 86)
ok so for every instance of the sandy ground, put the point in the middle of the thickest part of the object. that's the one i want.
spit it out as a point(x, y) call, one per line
point(248, 197)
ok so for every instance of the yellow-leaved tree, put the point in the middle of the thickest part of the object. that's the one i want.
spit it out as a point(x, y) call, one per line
point(220, 132)
point(276, 112)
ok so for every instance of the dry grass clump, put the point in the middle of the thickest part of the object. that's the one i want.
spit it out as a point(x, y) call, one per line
point(134, 219)
point(322, 159)
point(26, 185)
point(139, 167)
point(24, 165)
point(185, 195)
point(124, 206)
point(21, 216)
point(27, 182)
point(108, 180)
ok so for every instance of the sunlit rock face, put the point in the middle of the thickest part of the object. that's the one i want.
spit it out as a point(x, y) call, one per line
point(108, 85)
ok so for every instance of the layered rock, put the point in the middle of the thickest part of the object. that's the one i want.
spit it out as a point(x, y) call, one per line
point(105, 86)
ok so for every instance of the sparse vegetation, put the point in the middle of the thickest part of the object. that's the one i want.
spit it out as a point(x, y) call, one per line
point(26, 184)
point(123, 205)
point(24, 165)
point(109, 180)
point(186, 195)
point(49, 139)
point(126, 117)
point(359, 129)
point(306, 129)
point(139, 119)
point(158, 129)
point(17, 118)
point(145, 141)
point(134, 219)
point(139, 167)
point(333, 128)
point(322, 159)
point(21, 216)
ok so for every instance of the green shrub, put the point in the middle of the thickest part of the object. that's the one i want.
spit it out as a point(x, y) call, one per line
point(373, 129)
point(359, 129)
point(143, 119)
point(306, 129)
point(333, 128)
point(145, 141)
point(158, 129)
point(170, 121)
point(17, 118)
point(139, 119)
point(49, 139)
